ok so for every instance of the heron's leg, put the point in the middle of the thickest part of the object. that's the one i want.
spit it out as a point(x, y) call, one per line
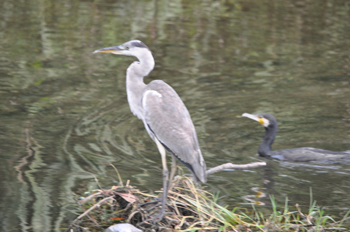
point(165, 177)
point(169, 185)
point(172, 173)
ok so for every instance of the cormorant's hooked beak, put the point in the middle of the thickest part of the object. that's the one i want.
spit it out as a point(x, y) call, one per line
point(260, 120)
point(115, 50)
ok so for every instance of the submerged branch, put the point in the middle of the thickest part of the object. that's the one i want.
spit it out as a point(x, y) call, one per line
point(235, 166)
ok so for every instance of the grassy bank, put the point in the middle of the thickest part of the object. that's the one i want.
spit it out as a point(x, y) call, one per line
point(194, 209)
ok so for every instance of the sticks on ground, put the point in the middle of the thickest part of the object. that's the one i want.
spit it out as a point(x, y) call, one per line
point(87, 211)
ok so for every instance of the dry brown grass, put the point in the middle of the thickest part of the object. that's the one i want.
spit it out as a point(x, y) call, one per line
point(192, 209)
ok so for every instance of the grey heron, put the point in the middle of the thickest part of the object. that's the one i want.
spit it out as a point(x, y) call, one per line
point(163, 113)
point(303, 154)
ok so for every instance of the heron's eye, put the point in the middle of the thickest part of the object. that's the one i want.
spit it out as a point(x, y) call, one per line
point(127, 47)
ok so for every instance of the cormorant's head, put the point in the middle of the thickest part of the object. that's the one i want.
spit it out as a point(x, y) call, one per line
point(263, 118)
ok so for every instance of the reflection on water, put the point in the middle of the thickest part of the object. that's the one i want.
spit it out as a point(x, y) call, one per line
point(255, 199)
point(65, 116)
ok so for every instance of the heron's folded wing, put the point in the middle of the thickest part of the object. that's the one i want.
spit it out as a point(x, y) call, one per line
point(169, 120)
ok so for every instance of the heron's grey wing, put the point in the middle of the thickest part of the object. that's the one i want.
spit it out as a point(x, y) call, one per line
point(169, 120)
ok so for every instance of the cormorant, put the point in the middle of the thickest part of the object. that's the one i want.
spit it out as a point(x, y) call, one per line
point(302, 154)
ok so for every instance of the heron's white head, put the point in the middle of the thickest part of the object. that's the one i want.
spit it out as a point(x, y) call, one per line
point(137, 49)
point(131, 48)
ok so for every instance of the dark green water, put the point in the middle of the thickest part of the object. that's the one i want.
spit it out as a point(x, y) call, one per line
point(64, 114)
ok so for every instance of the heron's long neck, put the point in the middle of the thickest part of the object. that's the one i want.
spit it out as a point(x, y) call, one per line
point(134, 82)
point(269, 137)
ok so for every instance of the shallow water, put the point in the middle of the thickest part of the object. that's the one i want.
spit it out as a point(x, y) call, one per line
point(64, 114)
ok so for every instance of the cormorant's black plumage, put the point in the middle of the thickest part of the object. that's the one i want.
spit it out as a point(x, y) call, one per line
point(302, 154)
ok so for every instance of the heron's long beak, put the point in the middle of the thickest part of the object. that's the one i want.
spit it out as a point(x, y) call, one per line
point(254, 117)
point(115, 50)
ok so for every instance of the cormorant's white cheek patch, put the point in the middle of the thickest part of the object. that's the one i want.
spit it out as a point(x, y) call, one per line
point(266, 122)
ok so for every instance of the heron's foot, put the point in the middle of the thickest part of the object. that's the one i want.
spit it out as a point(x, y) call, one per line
point(157, 202)
point(160, 216)
point(157, 218)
